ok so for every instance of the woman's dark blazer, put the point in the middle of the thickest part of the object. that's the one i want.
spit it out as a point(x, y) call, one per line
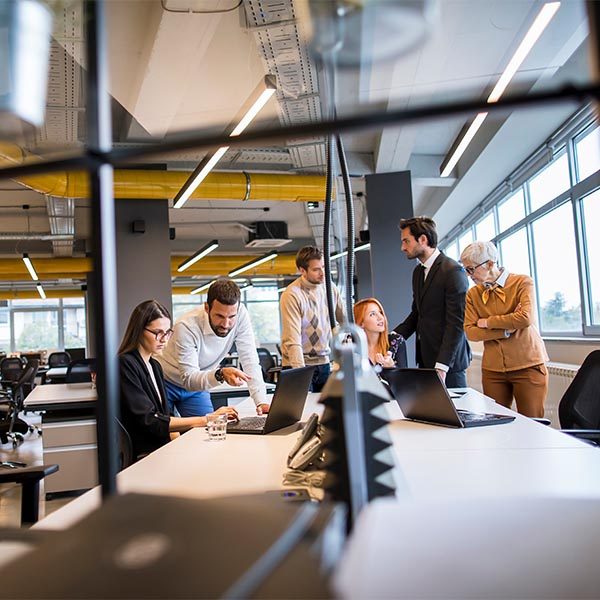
point(143, 412)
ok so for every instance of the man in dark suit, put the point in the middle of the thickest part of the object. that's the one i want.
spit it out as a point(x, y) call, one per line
point(439, 288)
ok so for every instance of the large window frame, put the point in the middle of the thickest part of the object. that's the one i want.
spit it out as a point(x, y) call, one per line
point(574, 196)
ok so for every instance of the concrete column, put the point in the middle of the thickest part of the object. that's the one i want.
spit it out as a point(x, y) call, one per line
point(389, 199)
point(143, 259)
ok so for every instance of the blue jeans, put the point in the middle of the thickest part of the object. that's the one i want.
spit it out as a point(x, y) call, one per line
point(188, 404)
point(320, 377)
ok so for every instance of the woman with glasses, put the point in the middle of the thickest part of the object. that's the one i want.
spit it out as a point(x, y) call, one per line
point(385, 349)
point(500, 312)
point(143, 401)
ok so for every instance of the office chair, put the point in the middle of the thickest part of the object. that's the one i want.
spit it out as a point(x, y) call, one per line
point(11, 369)
point(579, 408)
point(76, 353)
point(267, 365)
point(29, 478)
point(12, 427)
point(80, 371)
point(126, 457)
point(59, 359)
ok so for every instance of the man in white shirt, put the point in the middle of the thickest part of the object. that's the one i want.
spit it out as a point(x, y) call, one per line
point(201, 339)
point(438, 309)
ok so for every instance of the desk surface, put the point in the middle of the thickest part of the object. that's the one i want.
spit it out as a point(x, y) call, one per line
point(522, 458)
point(60, 393)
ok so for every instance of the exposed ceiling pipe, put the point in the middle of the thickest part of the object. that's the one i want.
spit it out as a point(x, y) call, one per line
point(160, 185)
point(46, 237)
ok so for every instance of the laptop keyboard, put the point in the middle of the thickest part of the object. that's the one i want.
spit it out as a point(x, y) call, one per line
point(249, 423)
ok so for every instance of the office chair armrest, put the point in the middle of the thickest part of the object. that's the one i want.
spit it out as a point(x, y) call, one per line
point(275, 370)
point(587, 435)
point(541, 420)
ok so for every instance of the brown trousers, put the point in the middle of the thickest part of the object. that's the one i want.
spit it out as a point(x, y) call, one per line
point(528, 386)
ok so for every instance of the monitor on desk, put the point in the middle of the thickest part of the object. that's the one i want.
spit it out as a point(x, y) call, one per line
point(76, 353)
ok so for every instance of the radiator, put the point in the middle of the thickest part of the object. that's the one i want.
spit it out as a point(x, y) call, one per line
point(561, 375)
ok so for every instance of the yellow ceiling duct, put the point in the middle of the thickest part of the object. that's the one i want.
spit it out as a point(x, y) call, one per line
point(33, 294)
point(13, 269)
point(160, 185)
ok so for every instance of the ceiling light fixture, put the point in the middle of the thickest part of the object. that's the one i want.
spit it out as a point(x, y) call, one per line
point(357, 248)
point(256, 101)
point(202, 287)
point(206, 249)
point(41, 291)
point(531, 37)
point(253, 263)
point(29, 266)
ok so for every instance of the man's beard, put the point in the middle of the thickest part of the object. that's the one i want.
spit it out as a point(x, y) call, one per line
point(220, 331)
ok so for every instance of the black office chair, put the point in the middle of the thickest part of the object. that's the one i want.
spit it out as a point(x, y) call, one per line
point(11, 369)
point(80, 371)
point(76, 353)
point(126, 457)
point(59, 359)
point(579, 408)
point(267, 364)
point(12, 427)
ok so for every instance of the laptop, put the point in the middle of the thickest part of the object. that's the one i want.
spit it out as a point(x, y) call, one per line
point(286, 406)
point(423, 397)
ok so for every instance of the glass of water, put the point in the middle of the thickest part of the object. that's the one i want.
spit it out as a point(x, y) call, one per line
point(216, 425)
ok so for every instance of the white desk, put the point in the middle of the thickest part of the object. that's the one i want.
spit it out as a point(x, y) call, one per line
point(58, 373)
point(69, 433)
point(521, 478)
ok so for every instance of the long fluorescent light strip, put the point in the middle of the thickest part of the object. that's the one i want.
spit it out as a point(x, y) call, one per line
point(196, 257)
point(462, 146)
point(41, 291)
point(30, 268)
point(358, 248)
point(252, 264)
point(212, 161)
point(252, 112)
point(202, 287)
point(531, 37)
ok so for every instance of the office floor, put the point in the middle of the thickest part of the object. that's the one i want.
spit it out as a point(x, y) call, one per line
point(29, 452)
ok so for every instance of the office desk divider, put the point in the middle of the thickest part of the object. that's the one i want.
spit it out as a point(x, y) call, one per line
point(147, 546)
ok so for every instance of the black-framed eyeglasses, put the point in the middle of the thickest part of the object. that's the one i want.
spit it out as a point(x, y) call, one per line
point(161, 336)
point(471, 270)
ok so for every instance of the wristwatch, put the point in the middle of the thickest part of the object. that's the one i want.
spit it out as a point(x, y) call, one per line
point(219, 375)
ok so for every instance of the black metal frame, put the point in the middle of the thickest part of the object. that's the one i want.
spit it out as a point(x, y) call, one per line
point(100, 158)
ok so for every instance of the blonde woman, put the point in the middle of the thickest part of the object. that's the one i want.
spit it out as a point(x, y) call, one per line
point(500, 312)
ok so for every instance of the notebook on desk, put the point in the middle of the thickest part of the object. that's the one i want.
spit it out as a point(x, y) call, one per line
point(286, 406)
point(423, 397)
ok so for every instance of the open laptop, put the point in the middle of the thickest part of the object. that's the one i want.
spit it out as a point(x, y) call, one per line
point(423, 397)
point(286, 406)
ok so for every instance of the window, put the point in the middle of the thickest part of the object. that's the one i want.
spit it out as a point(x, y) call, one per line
point(36, 330)
point(4, 329)
point(74, 327)
point(464, 240)
point(485, 230)
point(590, 206)
point(263, 306)
point(512, 210)
point(557, 272)
point(549, 183)
point(451, 250)
point(514, 251)
point(183, 303)
point(587, 153)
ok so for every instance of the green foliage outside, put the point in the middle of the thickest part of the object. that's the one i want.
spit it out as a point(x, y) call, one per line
point(556, 316)
point(265, 322)
point(38, 335)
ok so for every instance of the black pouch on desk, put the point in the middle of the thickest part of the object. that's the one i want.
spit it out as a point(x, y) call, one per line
point(144, 546)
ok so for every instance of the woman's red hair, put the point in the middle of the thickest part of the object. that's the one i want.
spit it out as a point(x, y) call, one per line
point(360, 310)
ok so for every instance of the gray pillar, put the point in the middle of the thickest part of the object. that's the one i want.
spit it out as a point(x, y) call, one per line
point(389, 199)
point(143, 259)
point(364, 287)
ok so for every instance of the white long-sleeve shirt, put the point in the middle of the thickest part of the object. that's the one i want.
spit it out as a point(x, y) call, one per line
point(194, 352)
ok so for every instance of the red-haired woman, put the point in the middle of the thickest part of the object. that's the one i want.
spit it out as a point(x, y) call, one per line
point(383, 346)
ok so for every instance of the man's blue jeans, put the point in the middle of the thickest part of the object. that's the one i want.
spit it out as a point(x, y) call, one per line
point(188, 404)
point(320, 377)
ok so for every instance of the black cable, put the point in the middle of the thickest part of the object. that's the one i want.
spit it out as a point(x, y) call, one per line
point(327, 229)
point(350, 228)
point(247, 584)
point(201, 12)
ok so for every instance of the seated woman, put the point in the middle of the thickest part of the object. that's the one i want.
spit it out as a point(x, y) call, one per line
point(385, 349)
point(144, 410)
point(500, 312)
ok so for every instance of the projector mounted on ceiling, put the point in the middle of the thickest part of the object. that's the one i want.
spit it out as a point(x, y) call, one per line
point(268, 234)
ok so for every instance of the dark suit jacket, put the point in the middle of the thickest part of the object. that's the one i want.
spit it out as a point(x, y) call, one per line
point(143, 411)
point(437, 316)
